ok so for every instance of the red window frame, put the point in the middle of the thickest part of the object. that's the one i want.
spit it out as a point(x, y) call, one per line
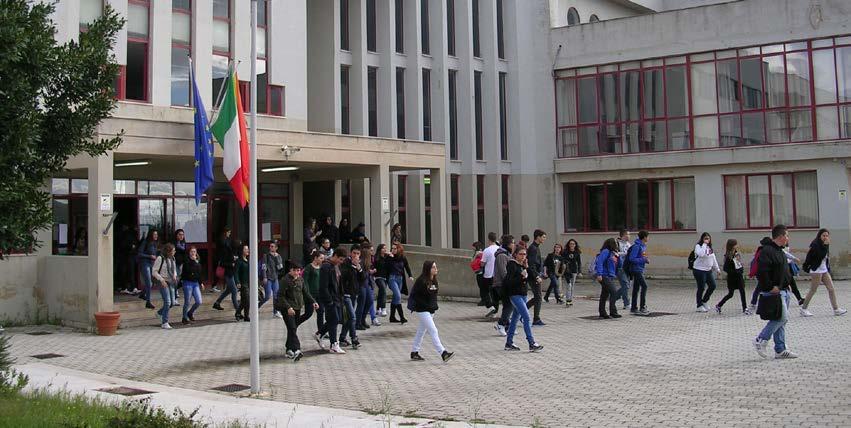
point(791, 174)
point(146, 74)
point(273, 92)
point(786, 48)
point(120, 83)
point(605, 221)
point(230, 32)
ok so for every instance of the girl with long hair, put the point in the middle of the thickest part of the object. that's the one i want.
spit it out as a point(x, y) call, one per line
point(705, 263)
point(424, 305)
point(190, 279)
point(817, 264)
point(146, 257)
point(735, 276)
point(606, 267)
point(572, 257)
point(397, 267)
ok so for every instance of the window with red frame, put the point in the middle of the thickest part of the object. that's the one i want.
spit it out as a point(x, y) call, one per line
point(788, 92)
point(456, 218)
point(480, 206)
point(221, 47)
point(664, 204)
point(505, 191)
point(181, 48)
point(273, 93)
point(759, 201)
point(135, 76)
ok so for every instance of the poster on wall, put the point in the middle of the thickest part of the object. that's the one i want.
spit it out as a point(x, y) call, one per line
point(276, 231)
point(266, 234)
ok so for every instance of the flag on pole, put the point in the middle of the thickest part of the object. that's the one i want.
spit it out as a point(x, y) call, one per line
point(203, 145)
point(231, 133)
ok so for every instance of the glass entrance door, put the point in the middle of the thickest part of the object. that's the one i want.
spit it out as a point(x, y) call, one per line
point(152, 216)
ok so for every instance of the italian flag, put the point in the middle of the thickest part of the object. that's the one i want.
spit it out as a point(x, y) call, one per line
point(230, 131)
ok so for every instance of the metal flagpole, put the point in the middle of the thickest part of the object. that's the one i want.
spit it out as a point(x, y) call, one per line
point(252, 214)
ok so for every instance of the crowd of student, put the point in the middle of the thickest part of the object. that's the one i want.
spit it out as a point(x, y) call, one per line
point(342, 286)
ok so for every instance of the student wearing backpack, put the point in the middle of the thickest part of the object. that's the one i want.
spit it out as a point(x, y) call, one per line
point(753, 269)
point(165, 272)
point(501, 259)
point(623, 276)
point(554, 266)
point(476, 267)
point(518, 278)
point(735, 276)
point(423, 303)
point(817, 264)
point(636, 260)
point(572, 257)
point(705, 263)
point(605, 269)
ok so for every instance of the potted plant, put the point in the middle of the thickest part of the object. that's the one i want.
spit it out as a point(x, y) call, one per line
point(107, 322)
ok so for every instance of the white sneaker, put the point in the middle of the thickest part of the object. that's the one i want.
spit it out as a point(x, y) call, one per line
point(166, 326)
point(760, 346)
point(376, 322)
point(785, 355)
point(289, 353)
point(702, 308)
point(335, 348)
point(806, 313)
point(278, 315)
point(839, 312)
point(752, 308)
point(500, 329)
point(215, 290)
point(318, 338)
point(383, 312)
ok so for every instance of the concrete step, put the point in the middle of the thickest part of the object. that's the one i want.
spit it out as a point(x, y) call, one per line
point(134, 313)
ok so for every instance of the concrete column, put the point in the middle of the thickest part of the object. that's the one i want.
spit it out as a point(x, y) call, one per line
point(439, 208)
point(338, 203)
point(100, 245)
point(415, 229)
point(467, 207)
point(360, 202)
point(160, 53)
point(378, 227)
point(296, 218)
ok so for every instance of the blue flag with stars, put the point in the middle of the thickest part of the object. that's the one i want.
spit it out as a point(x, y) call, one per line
point(203, 145)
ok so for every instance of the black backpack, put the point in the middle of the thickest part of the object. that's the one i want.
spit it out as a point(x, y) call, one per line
point(691, 258)
point(627, 264)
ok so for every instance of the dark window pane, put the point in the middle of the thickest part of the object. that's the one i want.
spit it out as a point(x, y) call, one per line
point(424, 30)
point(675, 91)
point(608, 98)
point(678, 134)
point(503, 119)
point(426, 104)
point(477, 45)
point(587, 100)
point(400, 26)
point(400, 102)
point(596, 206)
point(137, 73)
point(654, 94)
point(453, 114)
point(589, 140)
point(500, 38)
point(751, 71)
point(344, 100)
point(450, 27)
point(610, 139)
point(344, 25)
point(728, 86)
point(574, 208)
point(730, 127)
point(221, 9)
point(753, 129)
point(629, 97)
point(219, 74)
point(372, 96)
point(277, 102)
point(632, 140)
point(370, 26)
point(638, 202)
point(653, 136)
point(616, 205)
point(262, 87)
point(477, 94)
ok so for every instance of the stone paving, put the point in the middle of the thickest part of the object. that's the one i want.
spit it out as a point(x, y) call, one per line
point(685, 369)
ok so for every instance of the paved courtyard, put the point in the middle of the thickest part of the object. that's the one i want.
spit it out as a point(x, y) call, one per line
point(684, 369)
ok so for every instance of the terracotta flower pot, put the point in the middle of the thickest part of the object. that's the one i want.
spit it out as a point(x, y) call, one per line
point(107, 322)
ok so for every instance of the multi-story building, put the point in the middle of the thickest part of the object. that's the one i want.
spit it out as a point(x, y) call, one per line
point(459, 117)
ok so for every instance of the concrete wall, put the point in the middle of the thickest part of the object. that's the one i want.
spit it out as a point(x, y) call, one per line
point(63, 287)
point(604, 9)
point(455, 277)
point(19, 288)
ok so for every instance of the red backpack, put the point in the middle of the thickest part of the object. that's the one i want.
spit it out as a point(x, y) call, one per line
point(754, 263)
point(476, 264)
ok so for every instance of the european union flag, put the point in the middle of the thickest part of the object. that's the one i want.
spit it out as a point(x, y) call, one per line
point(203, 145)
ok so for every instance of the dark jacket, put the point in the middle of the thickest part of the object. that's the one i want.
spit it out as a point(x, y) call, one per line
point(191, 271)
point(329, 287)
point(730, 265)
point(500, 268)
point(180, 256)
point(398, 266)
point(818, 251)
point(424, 293)
point(773, 268)
point(311, 279)
point(550, 264)
point(351, 278)
point(146, 250)
point(381, 267)
point(226, 257)
point(331, 232)
point(242, 276)
point(293, 294)
point(573, 259)
point(534, 256)
point(514, 283)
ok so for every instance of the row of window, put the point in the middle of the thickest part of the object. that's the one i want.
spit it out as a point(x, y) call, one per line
point(574, 19)
point(133, 80)
point(372, 106)
point(783, 93)
point(425, 40)
point(755, 201)
point(455, 201)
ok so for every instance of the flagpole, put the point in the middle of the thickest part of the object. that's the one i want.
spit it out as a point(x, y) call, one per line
point(252, 213)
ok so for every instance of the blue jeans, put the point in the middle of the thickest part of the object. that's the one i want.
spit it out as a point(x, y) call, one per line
point(147, 282)
point(270, 290)
point(623, 278)
point(705, 279)
point(396, 287)
point(349, 326)
point(191, 289)
point(165, 292)
point(520, 312)
point(230, 288)
point(365, 296)
point(777, 328)
point(381, 300)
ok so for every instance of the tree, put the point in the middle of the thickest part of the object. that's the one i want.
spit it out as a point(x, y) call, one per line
point(52, 98)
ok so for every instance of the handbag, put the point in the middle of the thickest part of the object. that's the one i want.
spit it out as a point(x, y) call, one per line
point(220, 272)
point(770, 307)
point(405, 286)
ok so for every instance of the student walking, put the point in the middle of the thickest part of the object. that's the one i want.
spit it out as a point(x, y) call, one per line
point(274, 268)
point(572, 257)
point(381, 275)
point(366, 294)
point(331, 299)
point(536, 265)
point(397, 267)
point(423, 302)
point(606, 267)
point(476, 266)
point(311, 280)
point(636, 261)
point(190, 278)
point(488, 263)
point(146, 257)
point(554, 267)
point(227, 266)
point(501, 259)
point(735, 276)
point(623, 276)
point(294, 297)
point(817, 264)
point(179, 259)
point(352, 277)
point(242, 278)
point(774, 278)
point(165, 272)
point(704, 265)
point(516, 286)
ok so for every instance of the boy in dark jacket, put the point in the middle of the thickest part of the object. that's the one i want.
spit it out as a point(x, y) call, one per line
point(331, 298)
point(774, 278)
point(351, 277)
point(290, 301)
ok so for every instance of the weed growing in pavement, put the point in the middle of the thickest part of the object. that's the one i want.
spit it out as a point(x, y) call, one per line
point(536, 423)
